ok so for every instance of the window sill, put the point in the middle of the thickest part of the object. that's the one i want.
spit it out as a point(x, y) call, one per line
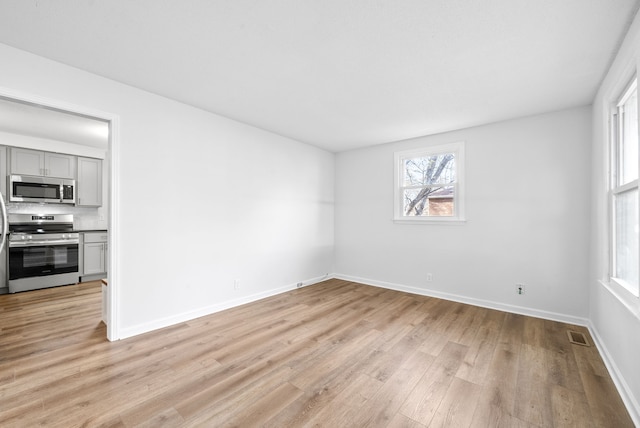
point(446, 221)
point(626, 298)
point(627, 288)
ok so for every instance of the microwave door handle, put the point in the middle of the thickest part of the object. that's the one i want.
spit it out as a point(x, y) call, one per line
point(5, 223)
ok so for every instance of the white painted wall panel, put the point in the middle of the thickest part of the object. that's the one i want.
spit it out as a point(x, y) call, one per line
point(527, 217)
point(614, 317)
point(203, 200)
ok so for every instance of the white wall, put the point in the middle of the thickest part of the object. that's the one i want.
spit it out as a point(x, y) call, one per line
point(527, 202)
point(203, 200)
point(614, 314)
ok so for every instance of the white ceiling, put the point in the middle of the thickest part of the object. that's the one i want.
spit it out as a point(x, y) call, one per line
point(338, 74)
point(37, 121)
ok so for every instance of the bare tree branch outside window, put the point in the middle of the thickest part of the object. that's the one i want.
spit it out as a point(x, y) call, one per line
point(426, 178)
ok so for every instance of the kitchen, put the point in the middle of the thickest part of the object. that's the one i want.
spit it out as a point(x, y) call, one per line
point(54, 182)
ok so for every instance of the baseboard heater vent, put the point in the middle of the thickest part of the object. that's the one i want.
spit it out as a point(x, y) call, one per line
point(577, 338)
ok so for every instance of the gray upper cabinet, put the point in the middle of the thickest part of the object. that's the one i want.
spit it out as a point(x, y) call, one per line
point(59, 165)
point(27, 162)
point(89, 183)
point(38, 163)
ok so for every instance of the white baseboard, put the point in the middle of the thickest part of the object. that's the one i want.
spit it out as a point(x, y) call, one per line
point(208, 310)
point(554, 316)
point(632, 405)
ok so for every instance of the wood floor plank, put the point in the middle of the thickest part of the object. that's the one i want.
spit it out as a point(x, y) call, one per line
point(533, 331)
point(190, 403)
point(570, 408)
point(476, 362)
point(336, 374)
point(499, 387)
point(336, 353)
point(384, 405)
point(609, 411)
point(169, 418)
point(326, 364)
point(343, 409)
point(533, 392)
point(401, 421)
point(467, 324)
point(453, 410)
point(268, 406)
point(425, 398)
point(242, 403)
point(563, 369)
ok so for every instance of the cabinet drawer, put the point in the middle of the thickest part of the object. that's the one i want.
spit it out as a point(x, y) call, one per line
point(95, 237)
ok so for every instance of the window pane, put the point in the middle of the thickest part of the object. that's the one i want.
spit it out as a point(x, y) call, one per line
point(436, 169)
point(429, 201)
point(626, 257)
point(629, 140)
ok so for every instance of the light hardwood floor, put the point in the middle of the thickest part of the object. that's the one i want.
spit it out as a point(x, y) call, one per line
point(335, 354)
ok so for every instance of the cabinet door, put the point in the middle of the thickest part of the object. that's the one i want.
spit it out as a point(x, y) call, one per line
point(27, 162)
point(59, 165)
point(94, 258)
point(89, 184)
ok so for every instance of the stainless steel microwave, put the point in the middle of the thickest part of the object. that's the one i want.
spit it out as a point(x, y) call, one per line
point(25, 188)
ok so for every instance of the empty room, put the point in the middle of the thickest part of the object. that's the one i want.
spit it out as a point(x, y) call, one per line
point(302, 213)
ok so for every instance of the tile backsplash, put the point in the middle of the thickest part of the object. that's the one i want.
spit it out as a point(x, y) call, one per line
point(84, 218)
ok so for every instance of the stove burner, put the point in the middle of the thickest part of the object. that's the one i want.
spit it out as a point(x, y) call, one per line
point(39, 224)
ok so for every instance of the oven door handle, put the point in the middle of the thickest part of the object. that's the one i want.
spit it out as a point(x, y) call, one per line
point(14, 244)
point(5, 223)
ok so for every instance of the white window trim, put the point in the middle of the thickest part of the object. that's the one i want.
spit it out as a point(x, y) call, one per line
point(398, 196)
point(619, 287)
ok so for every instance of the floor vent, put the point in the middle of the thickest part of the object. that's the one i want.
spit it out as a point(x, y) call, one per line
point(577, 338)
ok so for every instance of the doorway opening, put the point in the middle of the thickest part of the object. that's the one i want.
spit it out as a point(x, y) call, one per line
point(32, 123)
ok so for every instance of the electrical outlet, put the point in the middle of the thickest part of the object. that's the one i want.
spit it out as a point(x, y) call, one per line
point(299, 285)
point(429, 277)
point(520, 289)
point(236, 284)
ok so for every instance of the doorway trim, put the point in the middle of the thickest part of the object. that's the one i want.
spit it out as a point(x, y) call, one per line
point(113, 163)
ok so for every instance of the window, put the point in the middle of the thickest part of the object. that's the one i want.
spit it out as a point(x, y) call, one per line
point(624, 191)
point(429, 184)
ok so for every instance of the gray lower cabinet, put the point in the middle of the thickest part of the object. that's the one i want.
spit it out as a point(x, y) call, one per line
point(94, 255)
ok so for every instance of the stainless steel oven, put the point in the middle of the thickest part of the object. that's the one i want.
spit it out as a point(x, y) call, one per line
point(43, 251)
